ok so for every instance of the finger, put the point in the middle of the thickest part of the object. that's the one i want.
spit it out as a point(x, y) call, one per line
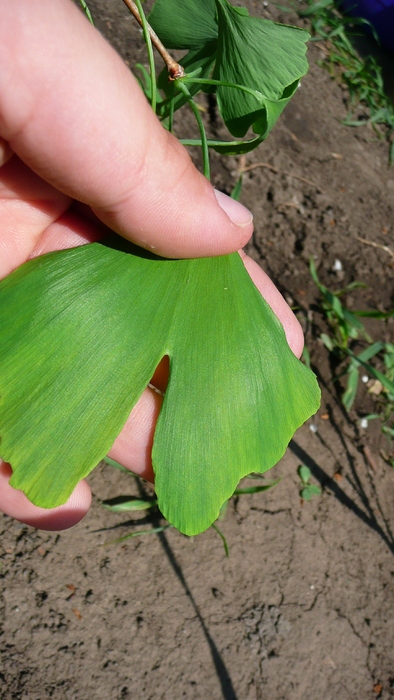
point(132, 449)
point(70, 108)
point(70, 230)
point(15, 504)
point(28, 206)
point(266, 287)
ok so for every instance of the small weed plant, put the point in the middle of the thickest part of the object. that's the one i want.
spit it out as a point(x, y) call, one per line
point(363, 77)
point(307, 490)
point(374, 364)
point(126, 308)
point(149, 504)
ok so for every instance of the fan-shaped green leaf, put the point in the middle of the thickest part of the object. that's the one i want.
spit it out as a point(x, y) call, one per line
point(82, 332)
point(184, 25)
point(275, 58)
point(273, 53)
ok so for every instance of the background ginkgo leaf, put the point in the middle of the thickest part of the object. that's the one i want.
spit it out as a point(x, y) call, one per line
point(226, 39)
point(82, 332)
point(259, 44)
point(184, 25)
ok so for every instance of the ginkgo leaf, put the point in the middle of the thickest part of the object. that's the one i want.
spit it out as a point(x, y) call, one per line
point(246, 394)
point(273, 53)
point(184, 25)
point(82, 333)
point(275, 58)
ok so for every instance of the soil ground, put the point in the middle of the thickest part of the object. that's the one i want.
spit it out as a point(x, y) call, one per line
point(303, 607)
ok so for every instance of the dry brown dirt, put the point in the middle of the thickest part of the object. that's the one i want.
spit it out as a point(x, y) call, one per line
point(303, 607)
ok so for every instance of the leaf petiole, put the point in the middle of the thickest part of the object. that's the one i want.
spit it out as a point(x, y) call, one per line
point(203, 142)
point(207, 81)
point(226, 147)
point(149, 48)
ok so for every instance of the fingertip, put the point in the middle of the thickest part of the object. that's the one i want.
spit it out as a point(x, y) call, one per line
point(295, 336)
point(236, 212)
point(15, 504)
point(290, 323)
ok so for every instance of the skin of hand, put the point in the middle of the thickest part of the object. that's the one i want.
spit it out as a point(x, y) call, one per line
point(81, 152)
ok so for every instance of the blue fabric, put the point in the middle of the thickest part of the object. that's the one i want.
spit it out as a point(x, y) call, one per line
point(380, 13)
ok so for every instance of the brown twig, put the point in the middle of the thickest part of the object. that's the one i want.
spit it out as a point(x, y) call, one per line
point(376, 245)
point(369, 457)
point(174, 69)
point(278, 172)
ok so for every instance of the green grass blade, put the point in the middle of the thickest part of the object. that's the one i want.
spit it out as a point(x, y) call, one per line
point(116, 465)
point(375, 314)
point(237, 189)
point(385, 381)
point(151, 59)
point(86, 11)
point(220, 533)
point(129, 505)
point(349, 395)
point(316, 8)
point(256, 489)
point(138, 533)
point(371, 351)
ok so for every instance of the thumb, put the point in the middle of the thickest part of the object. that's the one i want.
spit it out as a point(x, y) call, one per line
point(70, 108)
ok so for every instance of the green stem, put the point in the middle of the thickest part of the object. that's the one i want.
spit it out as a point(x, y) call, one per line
point(137, 533)
point(87, 11)
point(206, 81)
point(148, 42)
point(212, 143)
point(203, 142)
point(112, 463)
point(220, 533)
point(171, 114)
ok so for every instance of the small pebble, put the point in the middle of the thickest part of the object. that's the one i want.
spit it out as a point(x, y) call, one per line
point(313, 428)
point(337, 266)
point(364, 423)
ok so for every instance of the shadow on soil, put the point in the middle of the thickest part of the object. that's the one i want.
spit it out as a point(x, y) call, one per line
point(367, 516)
point(228, 692)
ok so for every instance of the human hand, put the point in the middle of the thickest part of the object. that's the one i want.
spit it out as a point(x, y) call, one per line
point(81, 151)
